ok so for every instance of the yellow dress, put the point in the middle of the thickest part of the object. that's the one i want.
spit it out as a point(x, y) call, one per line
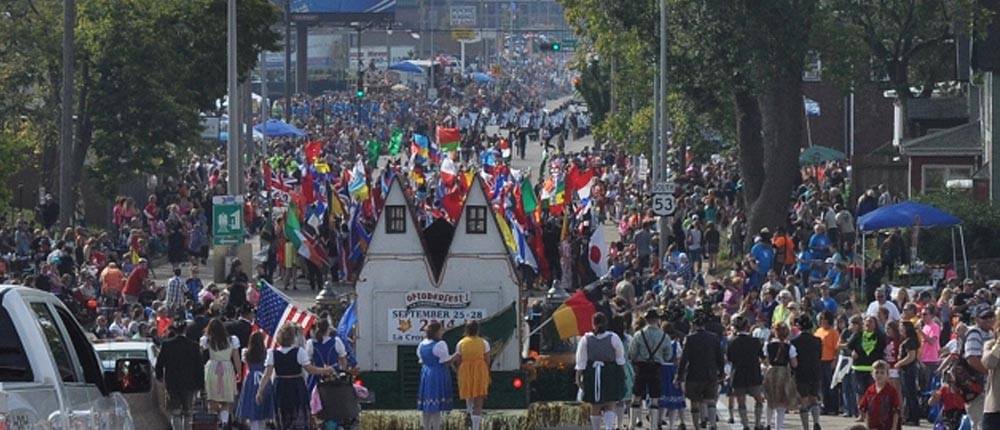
point(473, 373)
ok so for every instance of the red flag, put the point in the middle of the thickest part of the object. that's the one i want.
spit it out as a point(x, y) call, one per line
point(312, 151)
point(453, 201)
point(576, 179)
point(449, 138)
point(307, 189)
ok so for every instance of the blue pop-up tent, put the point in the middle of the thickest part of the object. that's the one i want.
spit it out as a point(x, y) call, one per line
point(406, 67)
point(278, 128)
point(910, 214)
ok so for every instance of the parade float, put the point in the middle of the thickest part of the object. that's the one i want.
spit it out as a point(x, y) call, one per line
point(451, 273)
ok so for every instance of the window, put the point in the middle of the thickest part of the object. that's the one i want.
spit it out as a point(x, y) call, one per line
point(57, 344)
point(935, 178)
point(14, 365)
point(475, 219)
point(813, 70)
point(395, 219)
point(93, 372)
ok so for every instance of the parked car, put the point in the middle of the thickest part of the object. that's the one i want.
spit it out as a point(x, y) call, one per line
point(149, 409)
point(50, 375)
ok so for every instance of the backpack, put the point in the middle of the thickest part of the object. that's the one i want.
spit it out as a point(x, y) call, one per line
point(969, 381)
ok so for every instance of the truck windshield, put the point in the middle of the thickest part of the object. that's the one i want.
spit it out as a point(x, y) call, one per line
point(14, 365)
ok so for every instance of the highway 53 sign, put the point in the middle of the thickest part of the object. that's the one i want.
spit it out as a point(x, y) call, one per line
point(664, 202)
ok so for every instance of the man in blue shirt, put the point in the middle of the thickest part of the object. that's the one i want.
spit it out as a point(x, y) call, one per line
point(763, 252)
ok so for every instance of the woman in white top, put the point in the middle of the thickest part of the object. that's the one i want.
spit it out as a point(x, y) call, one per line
point(220, 370)
point(286, 363)
point(600, 372)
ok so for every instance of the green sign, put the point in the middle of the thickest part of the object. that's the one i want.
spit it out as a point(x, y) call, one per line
point(569, 44)
point(227, 220)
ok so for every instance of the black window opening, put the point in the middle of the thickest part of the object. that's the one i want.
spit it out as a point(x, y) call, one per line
point(395, 219)
point(475, 219)
point(14, 364)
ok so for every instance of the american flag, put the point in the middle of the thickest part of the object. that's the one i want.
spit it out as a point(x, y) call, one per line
point(275, 309)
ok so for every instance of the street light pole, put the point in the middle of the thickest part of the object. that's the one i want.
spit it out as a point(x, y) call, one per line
point(288, 61)
point(66, 204)
point(664, 121)
point(233, 162)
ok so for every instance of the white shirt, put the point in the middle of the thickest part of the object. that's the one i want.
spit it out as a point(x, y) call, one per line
point(301, 356)
point(440, 350)
point(233, 341)
point(893, 310)
point(616, 343)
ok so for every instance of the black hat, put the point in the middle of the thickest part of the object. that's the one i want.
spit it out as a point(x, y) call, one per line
point(982, 310)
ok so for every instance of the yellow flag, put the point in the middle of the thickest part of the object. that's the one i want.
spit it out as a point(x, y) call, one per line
point(508, 236)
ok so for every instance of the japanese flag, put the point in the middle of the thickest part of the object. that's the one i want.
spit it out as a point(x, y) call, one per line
point(597, 252)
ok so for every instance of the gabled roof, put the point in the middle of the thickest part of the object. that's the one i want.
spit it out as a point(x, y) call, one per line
point(465, 243)
point(964, 140)
point(407, 243)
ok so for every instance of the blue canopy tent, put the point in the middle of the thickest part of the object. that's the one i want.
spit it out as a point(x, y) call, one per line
point(278, 128)
point(482, 77)
point(912, 214)
point(406, 67)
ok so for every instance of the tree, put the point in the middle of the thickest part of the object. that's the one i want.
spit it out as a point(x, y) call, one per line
point(145, 68)
point(907, 41)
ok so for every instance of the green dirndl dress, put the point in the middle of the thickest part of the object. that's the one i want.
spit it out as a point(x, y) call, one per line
point(603, 378)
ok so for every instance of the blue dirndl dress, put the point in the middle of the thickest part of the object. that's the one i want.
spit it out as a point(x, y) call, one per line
point(435, 392)
point(247, 408)
point(291, 400)
point(673, 397)
point(324, 354)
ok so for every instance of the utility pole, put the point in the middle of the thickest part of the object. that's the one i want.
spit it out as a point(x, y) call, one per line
point(66, 204)
point(288, 61)
point(265, 105)
point(233, 160)
point(663, 123)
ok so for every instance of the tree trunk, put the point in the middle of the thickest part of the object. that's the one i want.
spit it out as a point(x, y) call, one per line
point(782, 123)
point(749, 134)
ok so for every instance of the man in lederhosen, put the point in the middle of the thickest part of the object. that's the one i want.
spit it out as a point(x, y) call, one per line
point(649, 351)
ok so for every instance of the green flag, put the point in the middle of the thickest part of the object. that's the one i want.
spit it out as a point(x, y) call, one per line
point(528, 199)
point(396, 141)
point(374, 149)
point(498, 329)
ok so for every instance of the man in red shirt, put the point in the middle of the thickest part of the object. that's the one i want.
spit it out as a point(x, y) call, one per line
point(136, 282)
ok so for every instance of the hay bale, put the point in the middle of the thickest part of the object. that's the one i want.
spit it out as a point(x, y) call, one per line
point(557, 414)
point(454, 420)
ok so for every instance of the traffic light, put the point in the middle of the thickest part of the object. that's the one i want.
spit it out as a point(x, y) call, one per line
point(576, 82)
point(554, 47)
point(361, 85)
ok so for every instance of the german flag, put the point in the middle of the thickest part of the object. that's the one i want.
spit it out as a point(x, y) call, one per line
point(574, 317)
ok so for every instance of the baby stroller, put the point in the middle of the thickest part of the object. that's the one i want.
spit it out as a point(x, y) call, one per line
point(340, 403)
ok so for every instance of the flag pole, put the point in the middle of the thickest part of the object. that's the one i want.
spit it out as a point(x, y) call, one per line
point(540, 326)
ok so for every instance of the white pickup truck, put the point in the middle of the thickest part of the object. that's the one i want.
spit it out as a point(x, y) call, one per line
point(50, 376)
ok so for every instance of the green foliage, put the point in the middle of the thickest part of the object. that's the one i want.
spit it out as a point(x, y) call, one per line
point(17, 144)
point(980, 222)
point(144, 71)
point(905, 40)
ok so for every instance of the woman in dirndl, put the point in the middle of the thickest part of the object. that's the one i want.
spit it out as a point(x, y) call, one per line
point(247, 408)
point(600, 372)
point(473, 355)
point(291, 400)
point(435, 393)
point(672, 400)
point(779, 387)
point(220, 370)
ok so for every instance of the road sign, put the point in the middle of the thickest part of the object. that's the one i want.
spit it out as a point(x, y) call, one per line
point(227, 220)
point(463, 16)
point(463, 34)
point(664, 202)
point(569, 45)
